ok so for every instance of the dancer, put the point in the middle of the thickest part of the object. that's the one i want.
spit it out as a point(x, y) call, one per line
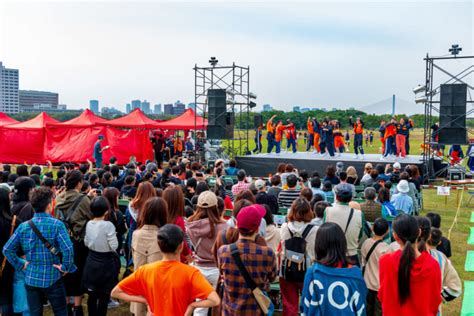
point(258, 139)
point(270, 134)
point(382, 135)
point(317, 135)
point(310, 142)
point(290, 136)
point(358, 126)
point(279, 129)
point(389, 136)
point(348, 140)
point(401, 137)
point(407, 142)
point(327, 138)
point(338, 139)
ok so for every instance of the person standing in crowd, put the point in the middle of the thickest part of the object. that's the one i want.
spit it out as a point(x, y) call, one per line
point(401, 201)
point(145, 249)
point(410, 280)
point(371, 209)
point(297, 252)
point(291, 136)
point(42, 265)
point(241, 184)
point(445, 245)
point(258, 139)
point(203, 228)
point(21, 206)
point(103, 264)
point(332, 269)
point(8, 223)
point(73, 208)
point(358, 126)
point(159, 148)
point(389, 137)
point(349, 219)
point(259, 261)
point(98, 150)
point(286, 197)
point(178, 146)
point(371, 251)
point(168, 286)
point(279, 129)
point(403, 128)
point(115, 216)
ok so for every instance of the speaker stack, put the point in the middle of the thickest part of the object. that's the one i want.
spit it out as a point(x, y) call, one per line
point(220, 123)
point(452, 116)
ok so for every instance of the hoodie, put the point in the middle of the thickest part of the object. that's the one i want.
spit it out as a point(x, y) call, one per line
point(81, 216)
point(199, 231)
point(333, 291)
point(425, 286)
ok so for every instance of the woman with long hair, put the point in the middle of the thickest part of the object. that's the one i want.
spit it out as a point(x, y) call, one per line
point(114, 214)
point(410, 280)
point(174, 197)
point(203, 228)
point(388, 210)
point(331, 271)
point(21, 206)
point(145, 249)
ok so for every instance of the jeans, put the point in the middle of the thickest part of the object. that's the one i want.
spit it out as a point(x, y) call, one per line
point(56, 295)
point(212, 276)
point(278, 147)
point(390, 148)
point(330, 147)
point(271, 142)
point(97, 303)
point(291, 142)
point(358, 140)
point(98, 163)
point(310, 142)
point(290, 294)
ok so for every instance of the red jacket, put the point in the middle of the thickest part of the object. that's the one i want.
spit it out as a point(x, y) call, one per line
point(425, 286)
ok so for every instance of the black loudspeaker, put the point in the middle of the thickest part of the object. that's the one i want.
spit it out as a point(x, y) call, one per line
point(220, 122)
point(257, 120)
point(452, 114)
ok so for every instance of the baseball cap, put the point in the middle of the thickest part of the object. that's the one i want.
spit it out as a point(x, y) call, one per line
point(207, 199)
point(397, 165)
point(343, 190)
point(249, 217)
point(259, 184)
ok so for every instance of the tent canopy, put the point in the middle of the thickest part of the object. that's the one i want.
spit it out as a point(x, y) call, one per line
point(6, 120)
point(38, 122)
point(185, 121)
point(135, 119)
point(86, 119)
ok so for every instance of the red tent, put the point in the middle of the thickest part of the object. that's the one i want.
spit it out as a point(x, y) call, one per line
point(24, 142)
point(6, 120)
point(135, 119)
point(185, 121)
point(87, 118)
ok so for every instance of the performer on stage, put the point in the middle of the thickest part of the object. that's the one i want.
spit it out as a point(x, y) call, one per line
point(98, 151)
point(258, 139)
point(401, 137)
point(317, 135)
point(310, 142)
point(407, 143)
point(279, 129)
point(270, 134)
point(348, 140)
point(290, 136)
point(358, 126)
point(338, 138)
point(389, 136)
point(382, 135)
point(327, 139)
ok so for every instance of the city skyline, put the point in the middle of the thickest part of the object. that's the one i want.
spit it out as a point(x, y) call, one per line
point(315, 54)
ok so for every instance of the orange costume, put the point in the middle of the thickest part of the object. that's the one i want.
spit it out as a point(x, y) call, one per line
point(178, 145)
point(280, 128)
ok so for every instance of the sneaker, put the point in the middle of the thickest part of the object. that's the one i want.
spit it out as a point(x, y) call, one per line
point(382, 158)
point(356, 157)
point(362, 157)
point(113, 304)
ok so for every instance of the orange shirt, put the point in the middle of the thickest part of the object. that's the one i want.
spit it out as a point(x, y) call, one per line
point(168, 286)
point(390, 130)
point(358, 129)
point(178, 145)
point(269, 126)
point(279, 132)
point(310, 127)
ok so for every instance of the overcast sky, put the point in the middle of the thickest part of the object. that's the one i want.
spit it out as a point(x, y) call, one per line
point(316, 54)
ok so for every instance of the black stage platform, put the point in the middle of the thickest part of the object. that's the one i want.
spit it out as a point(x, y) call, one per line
point(261, 165)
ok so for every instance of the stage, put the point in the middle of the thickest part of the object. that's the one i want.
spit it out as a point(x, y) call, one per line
point(261, 165)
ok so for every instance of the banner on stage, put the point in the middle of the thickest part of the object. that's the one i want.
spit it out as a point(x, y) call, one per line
point(444, 191)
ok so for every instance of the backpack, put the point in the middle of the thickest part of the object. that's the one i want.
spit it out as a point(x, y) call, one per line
point(65, 217)
point(294, 257)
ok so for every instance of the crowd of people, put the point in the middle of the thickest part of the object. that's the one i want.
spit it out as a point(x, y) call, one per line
point(198, 240)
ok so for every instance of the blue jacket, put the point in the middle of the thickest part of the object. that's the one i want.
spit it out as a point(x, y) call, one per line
point(333, 291)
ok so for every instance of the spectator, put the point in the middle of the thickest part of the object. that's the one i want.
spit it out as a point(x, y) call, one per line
point(444, 245)
point(381, 171)
point(22, 171)
point(175, 200)
point(343, 178)
point(258, 260)
point(43, 267)
point(115, 216)
point(203, 228)
point(7, 225)
point(410, 281)
point(349, 219)
point(168, 286)
point(275, 189)
point(129, 189)
point(286, 197)
point(352, 176)
point(395, 175)
point(339, 167)
point(242, 183)
point(389, 211)
point(315, 183)
point(289, 169)
point(371, 251)
point(307, 194)
point(145, 249)
point(73, 208)
point(412, 192)
point(372, 180)
point(371, 209)
point(318, 209)
point(272, 232)
point(331, 175)
point(21, 206)
point(264, 198)
point(232, 170)
point(102, 265)
point(367, 170)
point(401, 201)
point(298, 236)
point(332, 269)
point(328, 193)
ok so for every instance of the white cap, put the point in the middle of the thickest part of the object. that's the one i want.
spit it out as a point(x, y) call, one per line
point(397, 165)
point(260, 184)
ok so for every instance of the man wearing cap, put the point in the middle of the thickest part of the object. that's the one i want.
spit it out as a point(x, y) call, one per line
point(395, 176)
point(258, 260)
point(168, 286)
point(349, 219)
point(402, 201)
point(263, 197)
point(98, 151)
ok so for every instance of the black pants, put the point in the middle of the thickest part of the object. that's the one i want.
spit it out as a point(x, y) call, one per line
point(97, 303)
point(373, 304)
point(159, 158)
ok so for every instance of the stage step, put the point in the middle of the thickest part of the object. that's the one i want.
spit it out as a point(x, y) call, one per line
point(469, 265)
point(470, 240)
point(468, 300)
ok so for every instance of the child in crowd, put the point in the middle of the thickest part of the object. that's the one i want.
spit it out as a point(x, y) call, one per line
point(318, 209)
point(445, 245)
point(328, 193)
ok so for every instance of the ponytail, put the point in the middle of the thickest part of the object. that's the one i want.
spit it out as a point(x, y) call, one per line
point(404, 271)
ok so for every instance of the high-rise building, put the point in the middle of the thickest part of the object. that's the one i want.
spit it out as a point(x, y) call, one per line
point(146, 107)
point(304, 110)
point(94, 106)
point(136, 104)
point(9, 94)
point(31, 101)
point(179, 108)
point(128, 108)
point(267, 108)
point(296, 108)
point(169, 109)
point(157, 109)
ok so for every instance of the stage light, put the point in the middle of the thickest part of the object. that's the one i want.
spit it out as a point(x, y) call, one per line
point(252, 104)
point(213, 61)
point(455, 49)
point(252, 95)
point(422, 99)
point(419, 89)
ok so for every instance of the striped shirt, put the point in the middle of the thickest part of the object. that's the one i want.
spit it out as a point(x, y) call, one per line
point(286, 197)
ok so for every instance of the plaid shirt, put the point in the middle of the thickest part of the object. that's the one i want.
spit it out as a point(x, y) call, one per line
point(40, 271)
point(239, 187)
point(260, 263)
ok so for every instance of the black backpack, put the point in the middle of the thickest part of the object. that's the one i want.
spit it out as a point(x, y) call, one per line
point(293, 267)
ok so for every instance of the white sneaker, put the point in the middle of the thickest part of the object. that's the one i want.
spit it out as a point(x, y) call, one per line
point(362, 157)
point(356, 157)
point(382, 158)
